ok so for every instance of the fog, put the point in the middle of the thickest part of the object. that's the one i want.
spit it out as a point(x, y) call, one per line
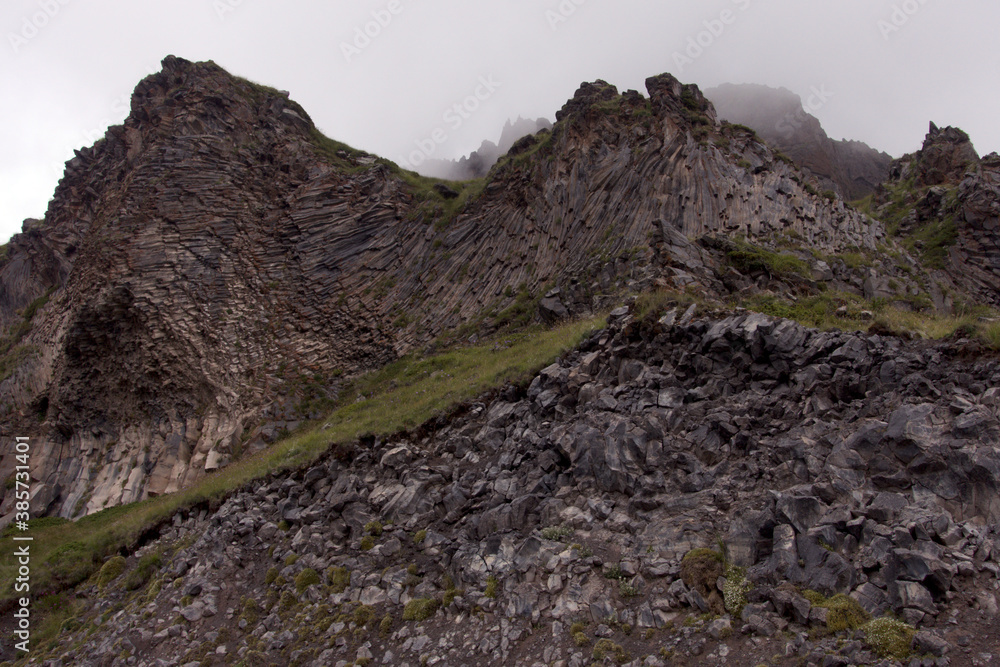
point(414, 81)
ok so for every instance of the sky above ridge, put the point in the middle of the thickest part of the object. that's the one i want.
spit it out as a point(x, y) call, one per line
point(410, 80)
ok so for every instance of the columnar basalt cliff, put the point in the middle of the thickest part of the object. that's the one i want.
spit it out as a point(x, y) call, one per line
point(215, 249)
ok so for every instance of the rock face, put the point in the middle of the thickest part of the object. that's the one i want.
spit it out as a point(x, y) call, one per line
point(852, 169)
point(845, 464)
point(213, 265)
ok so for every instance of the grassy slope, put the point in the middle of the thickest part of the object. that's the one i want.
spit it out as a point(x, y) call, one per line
point(402, 395)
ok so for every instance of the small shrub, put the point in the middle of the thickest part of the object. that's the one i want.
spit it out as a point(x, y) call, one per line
point(385, 626)
point(607, 648)
point(734, 592)
point(450, 595)
point(889, 638)
point(557, 533)
point(614, 571)
point(110, 571)
point(271, 576)
point(583, 551)
point(419, 536)
point(581, 639)
point(306, 578)
point(627, 590)
point(284, 526)
point(420, 609)
point(291, 559)
point(363, 615)
point(367, 543)
point(844, 612)
point(374, 528)
point(492, 584)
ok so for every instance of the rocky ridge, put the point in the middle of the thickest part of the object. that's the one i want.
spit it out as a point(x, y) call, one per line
point(693, 489)
point(209, 270)
point(944, 201)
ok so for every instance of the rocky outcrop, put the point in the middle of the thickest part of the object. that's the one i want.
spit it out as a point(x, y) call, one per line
point(562, 521)
point(947, 200)
point(852, 169)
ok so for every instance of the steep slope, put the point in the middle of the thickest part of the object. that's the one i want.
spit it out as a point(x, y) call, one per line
point(673, 492)
point(852, 169)
point(208, 270)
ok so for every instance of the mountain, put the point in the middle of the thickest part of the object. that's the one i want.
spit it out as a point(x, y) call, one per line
point(852, 169)
point(639, 395)
point(210, 271)
point(478, 163)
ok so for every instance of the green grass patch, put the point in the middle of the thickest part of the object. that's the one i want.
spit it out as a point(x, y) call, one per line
point(820, 312)
point(932, 241)
point(748, 258)
point(143, 571)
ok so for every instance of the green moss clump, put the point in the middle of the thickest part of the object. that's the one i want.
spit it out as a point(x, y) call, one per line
point(385, 627)
point(110, 571)
point(271, 576)
point(889, 638)
point(420, 609)
point(419, 536)
point(844, 612)
point(339, 578)
point(374, 528)
point(363, 615)
point(367, 543)
point(143, 571)
point(581, 639)
point(291, 559)
point(305, 579)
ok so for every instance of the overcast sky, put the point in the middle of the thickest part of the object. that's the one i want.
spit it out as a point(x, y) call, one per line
point(885, 67)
